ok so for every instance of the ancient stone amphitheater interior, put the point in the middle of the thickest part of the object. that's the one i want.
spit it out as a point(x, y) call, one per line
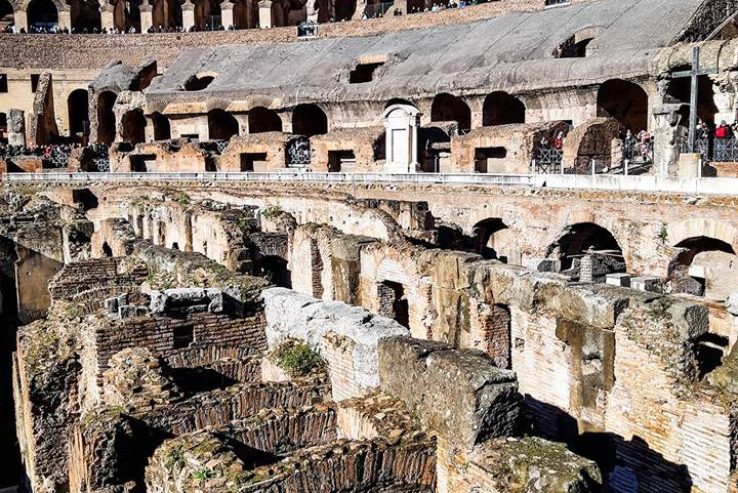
point(368, 246)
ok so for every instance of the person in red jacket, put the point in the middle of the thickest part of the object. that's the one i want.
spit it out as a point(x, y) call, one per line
point(723, 131)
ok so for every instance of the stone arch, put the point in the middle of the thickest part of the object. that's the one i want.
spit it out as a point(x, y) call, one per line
point(449, 108)
point(578, 238)
point(245, 14)
point(85, 15)
point(166, 13)
point(309, 120)
point(222, 125)
point(42, 13)
point(106, 117)
point(78, 110)
point(483, 234)
point(591, 140)
point(721, 263)
point(501, 108)
point(399, 102)
point(577, 46)
point(625, 101)
point(678, 232)
point(133, 126)
point(7, 14)
point(264, 120)
point(274, 269)
point(162, 127)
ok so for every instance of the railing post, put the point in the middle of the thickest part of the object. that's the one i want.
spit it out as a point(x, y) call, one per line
point(594, 170)
point(627, 163)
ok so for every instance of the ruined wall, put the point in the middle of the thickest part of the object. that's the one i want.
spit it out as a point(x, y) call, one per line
point(364, 147)
point(268, 147)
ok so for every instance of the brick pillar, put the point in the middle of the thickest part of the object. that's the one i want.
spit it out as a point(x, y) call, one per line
point(265, 13)
point(65, 20)
point(107, 19)
point(226, 12)
point(147, 17)
point(21, 19)
point(188, 15)
point(586, 266)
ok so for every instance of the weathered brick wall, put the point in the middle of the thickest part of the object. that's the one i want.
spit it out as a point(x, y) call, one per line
point(271, 144)
point(366, 143)
point(84, 275)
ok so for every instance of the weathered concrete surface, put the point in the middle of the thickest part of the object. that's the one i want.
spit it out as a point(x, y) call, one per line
point(458, 394)
point(332, 328)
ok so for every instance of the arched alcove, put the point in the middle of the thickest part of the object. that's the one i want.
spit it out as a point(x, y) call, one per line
point(162, 127)
point(106, 118)
point(264, 120)
point(449, 108)
point(42, 14)
point(78, 108)
point(624, 101)
point(221, 125)
point(309, 120)
point(133, 126)
point(501, 108)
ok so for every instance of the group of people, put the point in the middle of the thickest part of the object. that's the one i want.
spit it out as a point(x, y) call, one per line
point(453, 4)
point(722, 131)
point(55, 29)
point(638, 145)
point(547, 143)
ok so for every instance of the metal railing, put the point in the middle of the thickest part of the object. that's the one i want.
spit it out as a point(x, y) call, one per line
point(617, 183)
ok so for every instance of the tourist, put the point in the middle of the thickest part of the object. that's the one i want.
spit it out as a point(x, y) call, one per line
point(723, 131)
point(559, 141)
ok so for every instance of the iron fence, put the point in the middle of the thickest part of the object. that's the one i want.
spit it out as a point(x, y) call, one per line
point(714, 149)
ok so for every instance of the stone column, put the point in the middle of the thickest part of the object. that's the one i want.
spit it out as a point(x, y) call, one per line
point(147, 16)
point(667, 139)
point(265, 13)
point(188, 15)
point(107, 18)
point(21, 19)
point(226, 12)
point(17, 128)
point(65, 20)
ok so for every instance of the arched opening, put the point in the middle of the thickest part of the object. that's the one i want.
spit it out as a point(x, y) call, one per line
point(395, 101)
point(573, 47)
point(309, 120)
point(497, 335)
point(175, 246)
point(624, 101)
point(264, 120)
point(680, 91)
point(85, 16)
point(162, 127)
point(501, 108)
point(221, 125)
point(344, 10)
point(379, 148)
point(42, 14)
point(393, 302)
point(79, 118)
point(106, 118)
point(133, 126)
point(208, 16)
point(450, 108)
point(273, 269)
point(587, 245)
point(127, 15)
point(7, 15)
point(684, 279)
point(483, 237)
point(106, 250)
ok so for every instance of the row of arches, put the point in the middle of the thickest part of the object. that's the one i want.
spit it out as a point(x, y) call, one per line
point(622, 100)
point(491, 238)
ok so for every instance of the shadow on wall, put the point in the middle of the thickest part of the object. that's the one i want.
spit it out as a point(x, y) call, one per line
point(628, 466)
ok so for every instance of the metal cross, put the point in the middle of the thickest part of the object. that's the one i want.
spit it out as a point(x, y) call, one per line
point(694, 73)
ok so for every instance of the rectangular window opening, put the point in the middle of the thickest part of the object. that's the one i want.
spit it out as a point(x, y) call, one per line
point(364, 72)
point(34, 81)
point(252, 160)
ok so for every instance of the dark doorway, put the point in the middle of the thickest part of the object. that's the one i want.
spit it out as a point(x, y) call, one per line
point(581, 237)
point(483, 155)
point(85, 16)
point(624, 101)
point(42, 14)
point(79, 118)
point(309, 120)
point(162, 127)
point(221, 125)
point(500, 108)
point(482, 237)
point(141, 163)
point(134, 127)
point(450, 108)
point(264, 120)
point(273, 269)
point(337, 160)
point(106, 118)
point(394, 303)
point(250, 159)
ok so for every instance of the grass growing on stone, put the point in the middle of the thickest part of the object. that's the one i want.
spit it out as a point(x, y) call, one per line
point(297, 359)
